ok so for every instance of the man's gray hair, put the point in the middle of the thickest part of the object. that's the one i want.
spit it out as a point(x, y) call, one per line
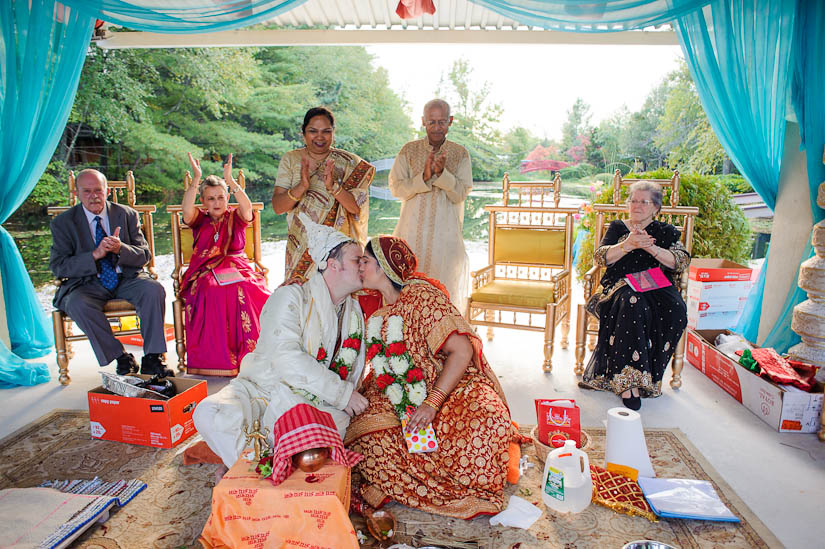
point(91, 171)
point(654, 189)
point(440, 103)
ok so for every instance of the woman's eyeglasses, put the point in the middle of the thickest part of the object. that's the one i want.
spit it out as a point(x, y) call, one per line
point(640, 202)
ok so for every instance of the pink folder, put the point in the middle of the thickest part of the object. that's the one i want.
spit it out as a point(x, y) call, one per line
point(651, 279)
point(227, 275)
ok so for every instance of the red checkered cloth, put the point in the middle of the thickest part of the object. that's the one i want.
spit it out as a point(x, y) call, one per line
point(304, 427)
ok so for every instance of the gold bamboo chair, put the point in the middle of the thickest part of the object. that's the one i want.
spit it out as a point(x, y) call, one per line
point(536, 194)
point(682, 217)
point(115, 309)
point(182, 245)
point(529, 274)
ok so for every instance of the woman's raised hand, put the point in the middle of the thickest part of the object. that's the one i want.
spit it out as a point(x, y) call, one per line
point(227, 171)
point(640, 239)
point(305, 172)
point(329, 172)
point(196, 169)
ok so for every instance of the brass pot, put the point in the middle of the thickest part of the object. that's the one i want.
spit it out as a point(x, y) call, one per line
point(311, 460)
point(380, 523)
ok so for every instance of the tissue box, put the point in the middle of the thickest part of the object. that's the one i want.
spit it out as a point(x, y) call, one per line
point(421, 441)
point(557, 423)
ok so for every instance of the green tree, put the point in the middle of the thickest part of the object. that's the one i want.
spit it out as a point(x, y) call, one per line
point(518, 142)
point(576, 125)
point(684, 129)
point(476, 120)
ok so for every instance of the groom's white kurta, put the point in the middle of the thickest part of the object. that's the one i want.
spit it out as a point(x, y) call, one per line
point(283, 372)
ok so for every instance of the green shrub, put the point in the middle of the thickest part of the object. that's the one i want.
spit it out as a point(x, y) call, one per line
point(604, 177)
point(721, 229)
point(578, 171)
point(735, 183)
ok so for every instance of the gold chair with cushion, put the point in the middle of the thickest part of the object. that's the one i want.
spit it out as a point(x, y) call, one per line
point(114, 309)
point(530, 252)
point(182, 245)
point(681, 217)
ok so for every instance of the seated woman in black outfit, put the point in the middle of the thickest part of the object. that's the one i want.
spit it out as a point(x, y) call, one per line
point(638, 331)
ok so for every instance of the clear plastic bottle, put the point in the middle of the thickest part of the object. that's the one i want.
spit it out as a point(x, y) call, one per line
point(566, 484)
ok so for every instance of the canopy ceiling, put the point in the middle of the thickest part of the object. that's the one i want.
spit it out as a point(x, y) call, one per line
point(375, 22)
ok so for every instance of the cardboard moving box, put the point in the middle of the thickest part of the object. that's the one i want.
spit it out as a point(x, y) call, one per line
point(713, 291)
point(717, 270)
point(787, 410)
point(725, 320)
point(146, 421)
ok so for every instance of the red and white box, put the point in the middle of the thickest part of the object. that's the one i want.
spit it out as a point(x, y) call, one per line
point(787, 410)
point(718, 270)
point(720, 305)
point(713, 291)
point(722, 320)
point(146, 421)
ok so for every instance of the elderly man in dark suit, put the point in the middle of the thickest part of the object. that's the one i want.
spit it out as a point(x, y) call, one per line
point(99, 252)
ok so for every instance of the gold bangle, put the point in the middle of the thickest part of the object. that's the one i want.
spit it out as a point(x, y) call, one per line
point(621, 247)
point(430, 404)
point(336, 193)
point(289, 194)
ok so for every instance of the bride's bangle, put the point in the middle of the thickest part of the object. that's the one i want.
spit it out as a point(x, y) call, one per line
point(291, 197)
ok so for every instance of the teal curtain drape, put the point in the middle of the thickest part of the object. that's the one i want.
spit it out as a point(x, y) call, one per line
point(739, 53)
point(43, 47)
point(808, 95)
point(184, 16)
point(592, 15)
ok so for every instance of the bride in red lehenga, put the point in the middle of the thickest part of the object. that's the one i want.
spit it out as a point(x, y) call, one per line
point(464, 402)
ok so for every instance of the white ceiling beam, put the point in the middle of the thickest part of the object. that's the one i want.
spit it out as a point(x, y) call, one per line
point(312, 37)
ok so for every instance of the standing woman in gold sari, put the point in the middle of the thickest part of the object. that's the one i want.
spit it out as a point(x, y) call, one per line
point(330, 185)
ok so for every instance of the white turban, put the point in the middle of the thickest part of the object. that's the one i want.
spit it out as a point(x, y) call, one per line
point(321, 240)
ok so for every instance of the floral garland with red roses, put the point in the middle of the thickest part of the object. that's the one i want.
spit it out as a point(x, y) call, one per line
point(395, 375)
point(348, 353)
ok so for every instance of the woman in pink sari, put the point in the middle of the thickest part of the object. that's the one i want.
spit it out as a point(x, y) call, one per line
point(221, 321)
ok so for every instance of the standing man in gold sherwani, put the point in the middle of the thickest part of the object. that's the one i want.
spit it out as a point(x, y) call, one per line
point(432, 177)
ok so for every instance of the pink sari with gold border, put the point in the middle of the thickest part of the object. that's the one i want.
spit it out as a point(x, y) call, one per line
point(221, 322)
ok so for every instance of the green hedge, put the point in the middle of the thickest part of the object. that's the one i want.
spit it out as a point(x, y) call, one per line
point(721, 229)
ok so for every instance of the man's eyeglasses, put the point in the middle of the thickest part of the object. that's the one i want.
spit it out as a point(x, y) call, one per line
point(640, 202)
point(439, 123)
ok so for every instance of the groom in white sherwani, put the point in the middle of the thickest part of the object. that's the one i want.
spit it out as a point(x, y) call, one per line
point(306, 353)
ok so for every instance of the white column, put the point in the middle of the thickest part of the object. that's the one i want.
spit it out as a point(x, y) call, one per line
point(791, 231)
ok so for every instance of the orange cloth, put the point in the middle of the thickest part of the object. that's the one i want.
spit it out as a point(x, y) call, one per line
point(200, 453)
point(513, 459)
point(305, 510)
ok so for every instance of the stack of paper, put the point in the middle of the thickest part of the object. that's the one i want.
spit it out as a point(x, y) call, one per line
point(684, 498)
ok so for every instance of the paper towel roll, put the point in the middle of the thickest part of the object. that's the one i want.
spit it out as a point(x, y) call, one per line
point(626, 441)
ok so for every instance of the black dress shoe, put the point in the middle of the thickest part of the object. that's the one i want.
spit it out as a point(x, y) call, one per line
point(633, 403)
point(126, 364)
point(153, 365)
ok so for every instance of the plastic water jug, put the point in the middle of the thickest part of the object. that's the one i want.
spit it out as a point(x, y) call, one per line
point(566, 484)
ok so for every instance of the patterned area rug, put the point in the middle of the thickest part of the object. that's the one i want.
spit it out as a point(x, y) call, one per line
point(171, 512)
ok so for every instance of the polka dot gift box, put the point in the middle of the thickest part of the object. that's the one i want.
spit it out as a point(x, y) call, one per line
point(422, 440)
